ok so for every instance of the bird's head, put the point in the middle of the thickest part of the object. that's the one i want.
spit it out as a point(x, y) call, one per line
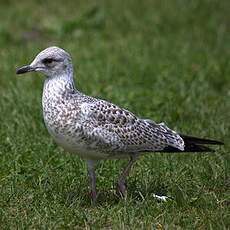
point(52, 61)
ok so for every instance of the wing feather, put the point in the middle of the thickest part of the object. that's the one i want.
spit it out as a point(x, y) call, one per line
point(120, 130)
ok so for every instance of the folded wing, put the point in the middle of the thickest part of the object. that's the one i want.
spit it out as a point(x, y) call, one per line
point(120, 130)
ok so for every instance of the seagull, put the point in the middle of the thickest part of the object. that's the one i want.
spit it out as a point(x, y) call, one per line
point(96, 129)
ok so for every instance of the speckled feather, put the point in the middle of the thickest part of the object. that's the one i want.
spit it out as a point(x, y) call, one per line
point(85, 125)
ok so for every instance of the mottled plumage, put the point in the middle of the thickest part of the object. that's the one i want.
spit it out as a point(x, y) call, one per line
point(96, 129)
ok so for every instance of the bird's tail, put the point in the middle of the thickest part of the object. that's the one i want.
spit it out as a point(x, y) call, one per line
point(194, 144)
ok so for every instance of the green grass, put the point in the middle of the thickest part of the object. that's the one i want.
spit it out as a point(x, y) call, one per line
point(164, 60)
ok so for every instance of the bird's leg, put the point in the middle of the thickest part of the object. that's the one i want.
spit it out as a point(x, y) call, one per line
point(125, 173)
point(92, 179)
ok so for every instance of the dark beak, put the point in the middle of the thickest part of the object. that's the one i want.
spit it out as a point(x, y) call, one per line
point(25, 69)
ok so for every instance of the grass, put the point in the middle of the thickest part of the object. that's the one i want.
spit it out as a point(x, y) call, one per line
point(165, 60)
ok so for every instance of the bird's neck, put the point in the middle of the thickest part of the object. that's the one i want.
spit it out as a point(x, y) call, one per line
point(59, 86)
point(60, 82)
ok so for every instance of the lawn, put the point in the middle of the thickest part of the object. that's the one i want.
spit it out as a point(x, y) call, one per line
point(163, 60)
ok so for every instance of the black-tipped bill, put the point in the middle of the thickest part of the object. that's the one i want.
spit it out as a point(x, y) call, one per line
point(25, 69)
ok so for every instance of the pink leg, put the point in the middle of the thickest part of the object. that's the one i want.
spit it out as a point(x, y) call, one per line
point(92, 179)
point(125, 173)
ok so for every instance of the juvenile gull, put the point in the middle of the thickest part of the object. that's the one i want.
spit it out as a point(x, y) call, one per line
point(96, 129)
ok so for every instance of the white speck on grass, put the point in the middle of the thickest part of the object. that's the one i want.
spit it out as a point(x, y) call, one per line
point(162, 198)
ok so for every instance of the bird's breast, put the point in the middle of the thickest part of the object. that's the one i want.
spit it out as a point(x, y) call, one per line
point(64, 123)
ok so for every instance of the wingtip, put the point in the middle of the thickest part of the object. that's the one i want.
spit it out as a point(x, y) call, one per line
point(220, 143)
point(197, 140)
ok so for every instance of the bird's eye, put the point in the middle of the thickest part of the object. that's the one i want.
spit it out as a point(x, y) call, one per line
point(48, 60)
